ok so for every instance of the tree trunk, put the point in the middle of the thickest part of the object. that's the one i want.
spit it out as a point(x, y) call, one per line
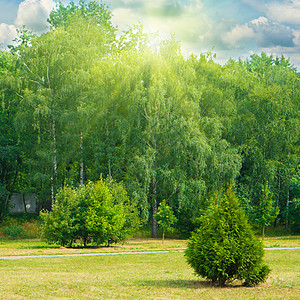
point(263, 232)
point(154, 210)
point(109, 169)
point(163, 237)
point(277, 201)
point(24, 203)
point(81, 157)
point(54, 176)
point(81, 160)
point(287, 209)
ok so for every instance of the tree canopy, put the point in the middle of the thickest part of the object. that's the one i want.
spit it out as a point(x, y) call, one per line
point(80, 101)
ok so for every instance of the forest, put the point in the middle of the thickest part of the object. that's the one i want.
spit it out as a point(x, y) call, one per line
point(84, 101)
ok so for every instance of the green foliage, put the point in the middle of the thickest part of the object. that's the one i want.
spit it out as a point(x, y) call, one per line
point(105, 217)
point(78, 101)
point(10, 148)
point(14, 231)
point(101, 213)
point(295, 204)
point(23, 40)
point(59, 226)
point(224, 247)
point(294, 215)
point(266, 211)
point(165, 217)
point(62, 15)
point(20, 227)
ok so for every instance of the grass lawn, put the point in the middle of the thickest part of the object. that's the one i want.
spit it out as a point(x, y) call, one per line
point(144, 276)
point(281, 242)
point(36, 247)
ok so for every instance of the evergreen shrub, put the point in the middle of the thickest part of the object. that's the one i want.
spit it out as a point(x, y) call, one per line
point(224, 248)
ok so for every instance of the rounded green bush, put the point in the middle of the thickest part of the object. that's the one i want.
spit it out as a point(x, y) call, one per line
point(99, 212)
point(224, 248)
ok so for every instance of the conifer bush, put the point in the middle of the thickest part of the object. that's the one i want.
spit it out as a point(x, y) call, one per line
point(224, 248)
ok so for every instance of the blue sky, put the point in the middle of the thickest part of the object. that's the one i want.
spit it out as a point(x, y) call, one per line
point(231, 28)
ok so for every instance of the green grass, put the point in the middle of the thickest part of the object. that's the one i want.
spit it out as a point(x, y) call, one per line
point(36, 247)
point(143, 276)
point(146, 276)
point(281, 242)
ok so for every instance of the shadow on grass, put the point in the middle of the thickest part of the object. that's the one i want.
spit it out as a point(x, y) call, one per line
point(53, 246)
point(190, 284)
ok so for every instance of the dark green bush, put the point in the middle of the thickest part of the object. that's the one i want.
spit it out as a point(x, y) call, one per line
point(224, 248)
point(14, 231)
point(295, 216)
point(20, 227)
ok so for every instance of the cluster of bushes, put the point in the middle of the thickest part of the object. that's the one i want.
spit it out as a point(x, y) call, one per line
point(99, 213)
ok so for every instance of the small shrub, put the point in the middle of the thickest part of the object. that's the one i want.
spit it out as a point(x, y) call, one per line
point(14, 231)
point(20, 227)
point(165, 218)
point(98, 212)
point(224, 247)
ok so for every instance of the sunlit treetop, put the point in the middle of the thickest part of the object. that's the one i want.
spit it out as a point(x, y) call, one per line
point(94, 10)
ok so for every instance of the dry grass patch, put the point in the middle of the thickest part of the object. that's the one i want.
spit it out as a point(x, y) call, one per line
point(282, 242)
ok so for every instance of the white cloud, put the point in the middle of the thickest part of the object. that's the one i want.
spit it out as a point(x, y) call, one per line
point(7, 33)
point(286, 11)
point(34, 14)
point(263, 32)
point(297, 38)
point(239, 33)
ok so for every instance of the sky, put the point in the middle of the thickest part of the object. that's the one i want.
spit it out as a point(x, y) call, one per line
point(230, 28)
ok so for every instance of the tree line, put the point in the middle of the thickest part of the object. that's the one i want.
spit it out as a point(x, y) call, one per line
point(83, 101)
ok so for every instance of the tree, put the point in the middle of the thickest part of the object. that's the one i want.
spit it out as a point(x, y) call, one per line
point(55, 79)
point(110, 219)
point(266, 128)
point(224, 247)
point(146, 129)
point(10, 144)
point(266, 211)
point(61, 16)
point(165, 218)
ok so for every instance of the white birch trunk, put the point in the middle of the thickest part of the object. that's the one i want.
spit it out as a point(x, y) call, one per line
point(54, 176)
point(81, 160)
